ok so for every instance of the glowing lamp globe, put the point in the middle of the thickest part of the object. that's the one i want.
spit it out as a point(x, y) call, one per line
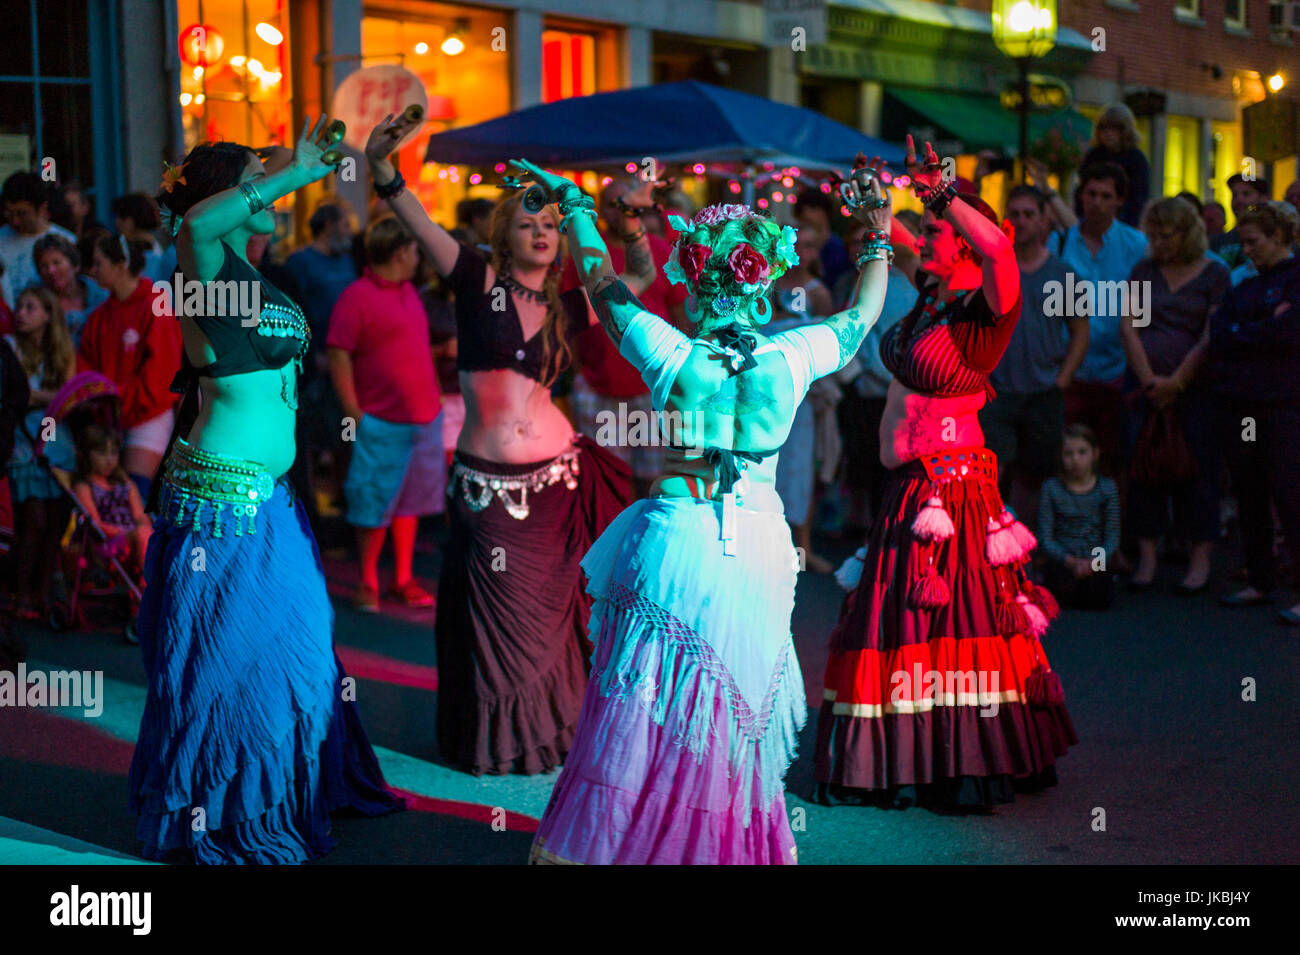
point(201, 45)
point(1024, 28)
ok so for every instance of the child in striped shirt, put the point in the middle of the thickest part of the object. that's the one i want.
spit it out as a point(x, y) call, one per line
point(1078, 525)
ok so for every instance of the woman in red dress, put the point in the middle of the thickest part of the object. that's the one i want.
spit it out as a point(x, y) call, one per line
point(937, 689)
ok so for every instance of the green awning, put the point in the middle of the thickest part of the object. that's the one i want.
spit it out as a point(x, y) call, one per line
point(979, 122)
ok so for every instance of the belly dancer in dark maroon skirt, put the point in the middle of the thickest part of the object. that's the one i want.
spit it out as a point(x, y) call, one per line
point(528, 495)
point(937, 689)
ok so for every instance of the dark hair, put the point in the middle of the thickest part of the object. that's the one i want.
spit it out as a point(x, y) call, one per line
point(385, 238)
point(25, 186)
point(52, 241)
point(137, 207)
point(1259, 184)
point(1081, 432)
point(1025, 190)
point(95, 437)
point(115, 247)
point(467, 210)
point(1192, 198)
point(327, 213)
point(814, 199)
point(209, 169)
point(1105, 170)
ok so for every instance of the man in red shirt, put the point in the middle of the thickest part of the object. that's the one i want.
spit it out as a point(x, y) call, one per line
point(381, 362)
point(606, 380)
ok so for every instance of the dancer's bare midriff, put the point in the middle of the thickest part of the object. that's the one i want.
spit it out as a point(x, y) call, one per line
point(510, 418)
point(915, 425)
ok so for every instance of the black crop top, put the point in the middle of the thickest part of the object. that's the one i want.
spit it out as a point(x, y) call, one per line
point(280, 335)
point(488, 339)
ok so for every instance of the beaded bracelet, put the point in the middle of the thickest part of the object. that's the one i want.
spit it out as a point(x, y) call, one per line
point(574, 202)
point(939, 199)
point(875, 236)
point(636, 212)
point(391, 188)
point(876, 253)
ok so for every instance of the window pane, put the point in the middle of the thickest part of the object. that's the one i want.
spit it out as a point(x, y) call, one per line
point(64, 33)
point(65, 111)
point(16, 15)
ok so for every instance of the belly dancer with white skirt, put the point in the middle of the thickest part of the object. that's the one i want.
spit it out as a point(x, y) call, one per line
point(695, 700)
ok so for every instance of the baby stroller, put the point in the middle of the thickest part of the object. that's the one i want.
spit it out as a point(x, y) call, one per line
point(95, 575)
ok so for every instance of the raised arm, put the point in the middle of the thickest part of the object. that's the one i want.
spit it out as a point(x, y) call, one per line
point(871, 204)
point(1001, 284)
point(441, 247)
point(198, 243)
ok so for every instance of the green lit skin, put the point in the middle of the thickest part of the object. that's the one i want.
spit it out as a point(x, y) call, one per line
point(245, 415)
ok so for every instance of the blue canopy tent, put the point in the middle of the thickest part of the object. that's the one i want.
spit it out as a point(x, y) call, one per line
point(673, 122)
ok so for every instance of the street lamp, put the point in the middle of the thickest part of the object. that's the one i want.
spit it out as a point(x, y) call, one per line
point(1023, 30)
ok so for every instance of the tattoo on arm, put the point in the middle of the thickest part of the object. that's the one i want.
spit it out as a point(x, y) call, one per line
point(614, 305)
point(849, 331)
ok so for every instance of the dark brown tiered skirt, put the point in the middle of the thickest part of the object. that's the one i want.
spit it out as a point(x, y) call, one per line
point(512, 620)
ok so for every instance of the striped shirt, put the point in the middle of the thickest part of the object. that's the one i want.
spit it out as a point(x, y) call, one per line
point(955, 351)
point(1072, 525)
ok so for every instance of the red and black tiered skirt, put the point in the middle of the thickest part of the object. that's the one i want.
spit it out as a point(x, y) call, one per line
point(937, 689)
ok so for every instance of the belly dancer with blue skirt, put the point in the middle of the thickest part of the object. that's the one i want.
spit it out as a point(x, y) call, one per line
point(250, 736)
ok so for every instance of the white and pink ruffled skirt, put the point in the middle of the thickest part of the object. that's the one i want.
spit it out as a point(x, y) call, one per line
point(695, 700)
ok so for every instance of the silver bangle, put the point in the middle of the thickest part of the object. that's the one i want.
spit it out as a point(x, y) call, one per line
point(254, 198)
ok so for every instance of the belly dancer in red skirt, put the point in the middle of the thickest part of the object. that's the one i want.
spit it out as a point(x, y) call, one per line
point(937, 689)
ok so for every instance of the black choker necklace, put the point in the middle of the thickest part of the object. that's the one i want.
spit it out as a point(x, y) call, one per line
point(532, 294)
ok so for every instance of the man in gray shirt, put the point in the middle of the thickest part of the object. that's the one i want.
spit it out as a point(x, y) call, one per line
point(1023, 424)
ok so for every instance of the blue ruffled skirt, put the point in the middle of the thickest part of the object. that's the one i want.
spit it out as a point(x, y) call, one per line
point(250, 737)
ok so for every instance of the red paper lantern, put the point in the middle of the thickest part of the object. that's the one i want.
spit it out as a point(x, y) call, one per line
point(201, 45)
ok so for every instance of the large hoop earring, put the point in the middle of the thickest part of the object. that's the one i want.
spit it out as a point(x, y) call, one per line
point(761, 315)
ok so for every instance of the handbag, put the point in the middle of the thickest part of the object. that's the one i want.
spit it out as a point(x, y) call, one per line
point(1162, 454)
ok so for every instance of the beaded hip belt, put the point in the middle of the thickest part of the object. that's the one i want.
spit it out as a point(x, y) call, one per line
point(563, 468)
point(193, 477)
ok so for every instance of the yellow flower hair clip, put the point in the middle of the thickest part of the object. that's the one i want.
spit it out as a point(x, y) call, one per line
point(172, 176)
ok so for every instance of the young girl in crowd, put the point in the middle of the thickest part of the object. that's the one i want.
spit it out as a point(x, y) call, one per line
point(1078, 525)
point(41, 342)
point(110, 497)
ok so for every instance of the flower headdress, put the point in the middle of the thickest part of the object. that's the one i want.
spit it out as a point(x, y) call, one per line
point(742, 274)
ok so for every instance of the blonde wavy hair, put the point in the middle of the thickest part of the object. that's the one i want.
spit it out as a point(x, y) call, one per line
point(556, 350)
point(1173, 213)
point(1121, 117)
point(53, 358)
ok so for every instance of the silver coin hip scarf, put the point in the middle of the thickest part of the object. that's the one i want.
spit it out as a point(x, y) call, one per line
point(479, 487)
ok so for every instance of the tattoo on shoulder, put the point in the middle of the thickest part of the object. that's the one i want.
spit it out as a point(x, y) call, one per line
point(612, 292)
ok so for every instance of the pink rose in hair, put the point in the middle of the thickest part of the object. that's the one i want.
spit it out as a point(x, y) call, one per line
point(748, 265)
point(693, 258)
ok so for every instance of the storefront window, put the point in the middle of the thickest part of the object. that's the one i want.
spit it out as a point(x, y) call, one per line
point(458, 54)
point(1225, 161)
point(235, 71)
point(1182, 155)
point(568, 65)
